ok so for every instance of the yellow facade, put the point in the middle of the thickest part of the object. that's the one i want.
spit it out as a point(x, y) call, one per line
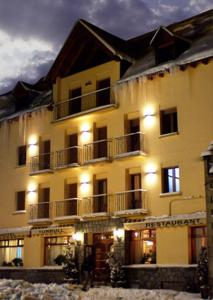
point(189, 91)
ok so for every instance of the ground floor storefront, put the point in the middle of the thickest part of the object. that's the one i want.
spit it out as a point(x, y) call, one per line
point(150, 245)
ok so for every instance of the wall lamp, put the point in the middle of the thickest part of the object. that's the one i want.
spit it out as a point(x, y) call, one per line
point(78, 237)
point(119, 234)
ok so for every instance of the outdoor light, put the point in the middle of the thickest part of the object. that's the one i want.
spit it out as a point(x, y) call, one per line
point(150, 172)
point(84, 182)
point(32, 192)
point(118, 234)
point(33, 145)
point(85, 132)
point(78, 237)
point(32, 188)
point(149, 116)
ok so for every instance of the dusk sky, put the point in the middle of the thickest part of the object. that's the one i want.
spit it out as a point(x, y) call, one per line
point(33, 31)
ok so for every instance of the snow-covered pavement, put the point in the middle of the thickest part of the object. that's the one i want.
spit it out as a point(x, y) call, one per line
point(22, 290)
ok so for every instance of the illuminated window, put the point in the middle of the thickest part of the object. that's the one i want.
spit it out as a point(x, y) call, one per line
point(168, 121)
point(170, 180)
point(20, 201)
point(142, 245)
point(55, 249)
point(198, 240)
point(10, 250)
point(22, 155)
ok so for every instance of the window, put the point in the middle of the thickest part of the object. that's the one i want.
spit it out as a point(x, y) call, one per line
point(198, 240)
point(170, 180)
point(54, 247)
point(9, 250)
point(20, 201)
point(168, 121)
point(103, 96)
point(22, 155)
point(133, 137)
point(143, 247)
point(75, 101)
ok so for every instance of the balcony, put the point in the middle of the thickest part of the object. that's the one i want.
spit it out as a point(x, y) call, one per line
point(42, 163)
point(69, 157)
point(86, 103)
point(131, 144)
point(98, 151)
point(128, 202)
point(68, 209)
point(40, 213)
point(96, 205)
point(125, 203)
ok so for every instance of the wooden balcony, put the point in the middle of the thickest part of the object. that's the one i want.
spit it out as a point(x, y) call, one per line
point(69, 157)
point(86, 103)
point(40, 213)
point(42, 163)
point(131, 144)
point(97, 151)
point(68, 209)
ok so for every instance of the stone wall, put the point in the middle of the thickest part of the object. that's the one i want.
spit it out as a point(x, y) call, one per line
point(45, 275)
point(157, 277)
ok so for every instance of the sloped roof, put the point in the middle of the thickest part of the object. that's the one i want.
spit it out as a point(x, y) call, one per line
point(84, 36)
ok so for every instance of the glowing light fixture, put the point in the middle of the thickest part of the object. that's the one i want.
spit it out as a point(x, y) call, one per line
point(33, 145)
point(32, 192)
point(85, 132)
point(78, 236)
point(149, 116)
point(84, 182)
point(118, 234)
point(150, 172)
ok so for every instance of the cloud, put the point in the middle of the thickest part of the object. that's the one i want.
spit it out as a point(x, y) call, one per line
point(22, 58)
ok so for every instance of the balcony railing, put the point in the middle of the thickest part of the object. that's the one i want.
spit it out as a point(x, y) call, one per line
point(41, 163)
point(98, 151)
point(81, 104)
point(40, 212)
point(129, 144)
point(69, 157)
point(96, 204)
point(124, 202)
point(68, 208)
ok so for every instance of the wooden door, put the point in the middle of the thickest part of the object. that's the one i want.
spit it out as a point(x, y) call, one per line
point(43, 203)
point(100, 202)
point(72, 153)
point(102, 245)
point(134, 137)
point(103, 97)
point(71, 205)
point(75, 104)
point(135, 196)
point(100, 148)
point(44, 155)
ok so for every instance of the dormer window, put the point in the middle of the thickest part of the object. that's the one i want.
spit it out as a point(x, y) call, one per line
point(167, 45)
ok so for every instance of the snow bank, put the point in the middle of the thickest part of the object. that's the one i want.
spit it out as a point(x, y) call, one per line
point(22, 290)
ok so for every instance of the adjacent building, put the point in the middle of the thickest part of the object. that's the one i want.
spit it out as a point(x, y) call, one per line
point(105, 150)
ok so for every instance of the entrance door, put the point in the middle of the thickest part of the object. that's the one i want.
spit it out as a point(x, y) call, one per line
point(100, 148)
point(72, 153)
point(100, 202)
point(102, 244)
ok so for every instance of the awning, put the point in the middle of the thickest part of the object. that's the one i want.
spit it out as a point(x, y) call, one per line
point(14, 233)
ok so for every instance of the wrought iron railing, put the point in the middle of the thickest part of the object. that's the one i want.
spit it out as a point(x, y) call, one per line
point(114, 203)
point(97, 150)
point(128, 143)
point(71, 156)
point(41, 163)
point(127, 200)
point(83, 103)
point(67, 207)
point(40, 211)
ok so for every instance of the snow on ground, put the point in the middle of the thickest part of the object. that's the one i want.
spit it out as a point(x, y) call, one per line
point(22, 290)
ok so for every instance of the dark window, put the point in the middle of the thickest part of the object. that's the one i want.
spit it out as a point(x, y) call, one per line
point(72, 153)
point(44, 157)
point(22, 155)
point(165, 53)
point(133, 139)
point(75, 101)
point(20, 200)
point(136, 195)
point(198, 240)
point(103, 96)
point(168, 121)
point(170, 180)
point(43, 203)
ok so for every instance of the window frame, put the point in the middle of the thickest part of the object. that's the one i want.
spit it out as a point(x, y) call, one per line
point(165, 180)
point(172, 126)
point(22, 156)
point(17, 199)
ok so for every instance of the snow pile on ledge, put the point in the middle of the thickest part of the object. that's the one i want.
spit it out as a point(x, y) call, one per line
point(22, 290)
